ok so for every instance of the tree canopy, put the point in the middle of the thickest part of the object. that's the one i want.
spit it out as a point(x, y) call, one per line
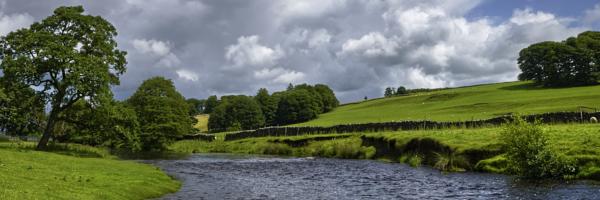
point(236, 113)
point(162, 113)
point(571, 62)
point(68, 56)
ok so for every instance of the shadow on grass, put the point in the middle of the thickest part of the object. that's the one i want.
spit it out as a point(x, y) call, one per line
point(534, 86)
point(526, 86)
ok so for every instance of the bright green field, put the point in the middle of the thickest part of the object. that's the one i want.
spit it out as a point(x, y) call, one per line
point(83, 173)
point(467, 103)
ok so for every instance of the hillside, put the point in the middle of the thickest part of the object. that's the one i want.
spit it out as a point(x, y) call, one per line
point(465, 103)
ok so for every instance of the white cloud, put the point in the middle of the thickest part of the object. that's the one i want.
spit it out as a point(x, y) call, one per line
point(151, 46)
point(248, 52)
point(373, 44)
point(527, 16)
point(187, 75)
point(13, 22)
point(279, 75)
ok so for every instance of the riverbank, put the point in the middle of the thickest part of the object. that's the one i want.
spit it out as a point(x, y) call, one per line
point(76, 172)
point(448, 149)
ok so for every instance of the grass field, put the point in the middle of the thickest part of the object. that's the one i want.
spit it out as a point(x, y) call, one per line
point(580, 142)
point(76, 172)
point(466, 103)
point(202, 123)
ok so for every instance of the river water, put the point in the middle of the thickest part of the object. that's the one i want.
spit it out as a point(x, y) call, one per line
point(226, 176)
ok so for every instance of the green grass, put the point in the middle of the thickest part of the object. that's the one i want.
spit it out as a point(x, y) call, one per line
point(466, 103)
point(580, 142)
point(202, 123)
point(76, 172)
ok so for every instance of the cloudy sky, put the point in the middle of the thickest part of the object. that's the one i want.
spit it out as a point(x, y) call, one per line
point(358, 47)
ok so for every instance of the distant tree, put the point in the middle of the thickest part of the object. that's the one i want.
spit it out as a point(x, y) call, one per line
point(296, 106)
point(366, 98)
point(329, 101)
point(569, 63)
point(401, 91)
point(210, 104)
point(268, 105)
point(162, 112)
point(235, 113)
point(196, 106)
point(67, 57)
point(290, 87)
point(388, 92)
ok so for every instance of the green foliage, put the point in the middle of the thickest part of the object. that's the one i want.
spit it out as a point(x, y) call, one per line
point(68, 56)
point(568, 63)
point(391, 92)
point(112, 124)
point(210, 104)
point(162, 113)
point(196, 106)
point(21, 110)
point(297, 105)
point(236, 113)
point(528, 153)
point(268, 105)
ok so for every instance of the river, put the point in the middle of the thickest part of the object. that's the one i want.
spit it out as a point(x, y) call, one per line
point(226, 176)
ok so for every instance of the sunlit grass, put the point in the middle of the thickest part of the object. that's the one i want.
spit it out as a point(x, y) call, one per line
point(467, 103)
point(76, 172)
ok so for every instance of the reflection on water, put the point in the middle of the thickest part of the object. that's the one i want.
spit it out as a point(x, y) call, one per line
point(225, 176)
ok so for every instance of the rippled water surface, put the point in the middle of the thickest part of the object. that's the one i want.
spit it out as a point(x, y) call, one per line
point(225, 176)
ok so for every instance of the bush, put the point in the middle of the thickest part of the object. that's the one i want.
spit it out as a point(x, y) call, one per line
point(528, 154)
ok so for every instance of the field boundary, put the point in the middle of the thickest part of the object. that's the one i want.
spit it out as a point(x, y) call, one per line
point(547, 118)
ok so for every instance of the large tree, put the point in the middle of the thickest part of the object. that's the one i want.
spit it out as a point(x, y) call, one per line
point(568, 63)
point(162, 113)
point(68, 56)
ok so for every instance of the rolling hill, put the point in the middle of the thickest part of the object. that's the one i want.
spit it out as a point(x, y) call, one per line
point(465, 103)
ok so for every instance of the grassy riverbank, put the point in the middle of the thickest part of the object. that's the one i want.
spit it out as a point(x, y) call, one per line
point(465, 103)
point(76, 172)
point(468, 149)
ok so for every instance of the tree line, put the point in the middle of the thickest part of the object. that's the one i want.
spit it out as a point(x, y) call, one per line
point(298, 103)
point(572, 62)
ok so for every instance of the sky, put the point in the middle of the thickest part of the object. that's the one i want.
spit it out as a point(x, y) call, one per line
point(357, 47)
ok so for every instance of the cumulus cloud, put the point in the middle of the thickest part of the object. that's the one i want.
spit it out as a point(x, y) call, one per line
point(358, 47)
point(248, 52)
point(158, 48)
point(187, 75)
point(13, 22)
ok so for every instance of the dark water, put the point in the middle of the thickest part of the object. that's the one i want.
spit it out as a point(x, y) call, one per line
point(224, 176)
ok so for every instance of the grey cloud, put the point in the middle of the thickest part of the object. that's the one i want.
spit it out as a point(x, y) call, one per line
point(356, 46)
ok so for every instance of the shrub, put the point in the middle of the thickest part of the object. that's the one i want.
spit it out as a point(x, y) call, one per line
point(528, 154)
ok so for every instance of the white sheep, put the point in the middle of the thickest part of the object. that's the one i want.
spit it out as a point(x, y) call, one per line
point(593, 120)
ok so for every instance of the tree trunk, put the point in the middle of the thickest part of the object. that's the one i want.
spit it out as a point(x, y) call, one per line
point(43, 143)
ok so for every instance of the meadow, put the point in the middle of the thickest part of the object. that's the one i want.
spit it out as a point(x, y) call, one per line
point(70, 171)
point(465, 103)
